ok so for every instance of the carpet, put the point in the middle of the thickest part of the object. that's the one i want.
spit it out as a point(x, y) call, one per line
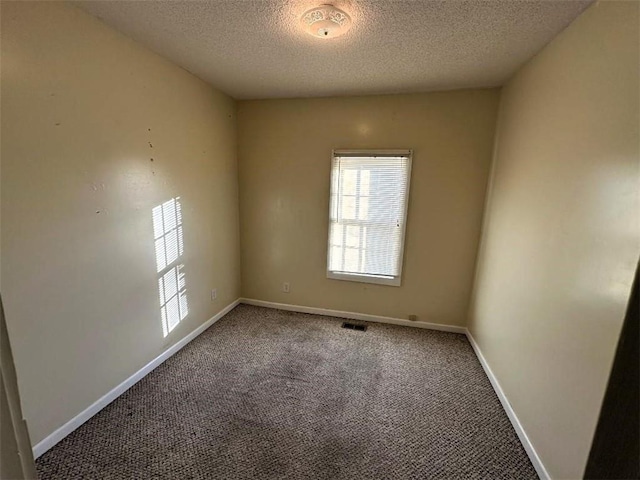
point(269, 394)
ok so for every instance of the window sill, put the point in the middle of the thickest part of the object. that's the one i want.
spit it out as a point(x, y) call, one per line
point(354, 277)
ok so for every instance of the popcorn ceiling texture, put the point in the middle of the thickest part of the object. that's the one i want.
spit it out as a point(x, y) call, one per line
point(257, 49)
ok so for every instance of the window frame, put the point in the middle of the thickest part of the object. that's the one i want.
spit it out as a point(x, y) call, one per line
point(360, 277)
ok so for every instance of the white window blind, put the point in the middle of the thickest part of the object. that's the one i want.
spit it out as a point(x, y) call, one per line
point(368, 211)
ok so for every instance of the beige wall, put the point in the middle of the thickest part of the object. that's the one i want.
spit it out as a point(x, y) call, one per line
point(561, 238)
point(81, 104)
point(285, 161)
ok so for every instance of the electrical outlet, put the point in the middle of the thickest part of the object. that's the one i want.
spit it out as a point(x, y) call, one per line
point(285, 287)
point(214, 294)
point(413, 318)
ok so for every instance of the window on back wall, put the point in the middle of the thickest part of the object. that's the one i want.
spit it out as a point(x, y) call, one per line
point(367, 215)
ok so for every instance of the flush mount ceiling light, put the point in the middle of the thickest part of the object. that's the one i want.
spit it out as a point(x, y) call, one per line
point(325, 21)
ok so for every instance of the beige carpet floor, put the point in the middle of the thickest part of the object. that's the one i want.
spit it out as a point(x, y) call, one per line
point(268, 394)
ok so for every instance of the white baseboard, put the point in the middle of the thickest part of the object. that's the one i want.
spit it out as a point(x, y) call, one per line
point(522, 435)
point(44, 445)
point(365, 317)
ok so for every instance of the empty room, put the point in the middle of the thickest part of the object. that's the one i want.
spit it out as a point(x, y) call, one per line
point(296, 239)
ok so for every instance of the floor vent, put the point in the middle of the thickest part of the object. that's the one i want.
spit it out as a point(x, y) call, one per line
point(353, 326)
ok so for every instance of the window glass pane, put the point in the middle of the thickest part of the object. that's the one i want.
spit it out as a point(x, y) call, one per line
point(353, 236)
point(348, 211)
point(349, 182)
point(337, 232)
point(351, 260)
point(363, 208)
point(364, 182)
point(336, 259)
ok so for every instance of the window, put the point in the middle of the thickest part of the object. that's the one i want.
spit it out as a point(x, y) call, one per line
point(367, 215)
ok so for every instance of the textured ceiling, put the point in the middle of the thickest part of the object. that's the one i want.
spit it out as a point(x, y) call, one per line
point(256, 48)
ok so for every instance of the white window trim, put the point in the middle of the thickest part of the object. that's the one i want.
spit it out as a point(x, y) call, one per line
point(375, 279)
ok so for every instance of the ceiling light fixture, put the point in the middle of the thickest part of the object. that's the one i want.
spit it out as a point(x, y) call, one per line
point(326, 21)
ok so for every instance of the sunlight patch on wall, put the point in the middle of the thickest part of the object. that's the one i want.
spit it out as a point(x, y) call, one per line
point(169, 246)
